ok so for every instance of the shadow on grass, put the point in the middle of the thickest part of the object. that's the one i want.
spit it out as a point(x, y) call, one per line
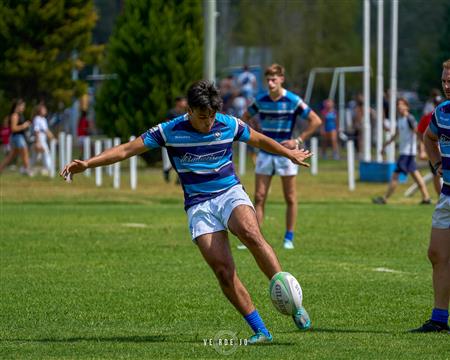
point(122, 339)
point(276, 343)
point(348, 331)
point(129, 339)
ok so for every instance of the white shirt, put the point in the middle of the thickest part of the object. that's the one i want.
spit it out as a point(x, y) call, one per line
point(40, 124)
point(239, 105)
point(407, 137)
point(246, 81)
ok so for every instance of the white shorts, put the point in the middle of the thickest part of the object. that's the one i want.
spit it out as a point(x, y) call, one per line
point(268, 164)
point(212, 215)
point(441, 215)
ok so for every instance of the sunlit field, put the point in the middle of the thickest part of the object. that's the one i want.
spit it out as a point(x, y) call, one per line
point(100, 273)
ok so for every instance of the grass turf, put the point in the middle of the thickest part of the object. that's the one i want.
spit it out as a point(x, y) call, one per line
point(80, 280)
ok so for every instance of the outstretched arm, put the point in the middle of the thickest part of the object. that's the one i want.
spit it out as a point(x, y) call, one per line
point(265, 143)
point(107, 157)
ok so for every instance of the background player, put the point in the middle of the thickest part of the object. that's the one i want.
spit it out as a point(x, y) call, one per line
point(179, 109)
point(421, 128)
point(407, 133)
point(278, 110)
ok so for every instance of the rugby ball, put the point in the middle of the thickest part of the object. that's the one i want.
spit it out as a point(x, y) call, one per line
point(285, 293)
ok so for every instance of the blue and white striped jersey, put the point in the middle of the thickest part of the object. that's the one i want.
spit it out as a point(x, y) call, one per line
point(440, 126)
point(204, 162)
point(278, 118)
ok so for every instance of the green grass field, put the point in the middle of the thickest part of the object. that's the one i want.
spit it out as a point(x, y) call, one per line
point(79, 280)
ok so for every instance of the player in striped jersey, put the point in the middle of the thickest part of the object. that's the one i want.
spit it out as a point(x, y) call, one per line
point(278, 111)
point(199, 145)
point(437, 144)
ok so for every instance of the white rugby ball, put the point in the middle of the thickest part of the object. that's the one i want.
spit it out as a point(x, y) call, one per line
point(285, 293)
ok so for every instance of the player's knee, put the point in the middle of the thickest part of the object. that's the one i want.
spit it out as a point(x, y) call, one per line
point(259, 199)
point(291, 200)
point(437, 257)
point(251, 236)
point(225, 275)
point(248, 231)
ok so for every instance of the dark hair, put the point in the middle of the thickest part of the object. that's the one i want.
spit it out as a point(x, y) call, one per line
point(15, 104)
point(180, 98)
point(204, 95)
point(403, 100)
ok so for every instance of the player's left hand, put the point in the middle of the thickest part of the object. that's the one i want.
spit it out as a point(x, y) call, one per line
point(290, 144)
point(298, 155)
point(76, 166)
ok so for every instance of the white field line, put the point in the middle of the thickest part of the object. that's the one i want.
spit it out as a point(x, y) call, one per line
point(383, 269)
point(135, 225)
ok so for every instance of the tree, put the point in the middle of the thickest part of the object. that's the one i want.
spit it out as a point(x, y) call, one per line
point(156, 52)
point(302, 35)
point(434, 50)
point(38, 40)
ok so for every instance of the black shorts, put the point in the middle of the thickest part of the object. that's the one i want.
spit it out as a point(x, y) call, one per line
point(406, 164)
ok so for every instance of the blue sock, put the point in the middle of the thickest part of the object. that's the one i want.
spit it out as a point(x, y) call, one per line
point(289, 236)
point(256, 323)
point(440, 315)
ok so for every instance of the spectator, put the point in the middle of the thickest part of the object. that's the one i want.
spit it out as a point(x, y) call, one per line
point(179, 109)
point(329, 129)
point(358, 120)
point(42, 134)
point(238, 106)
point(357, 124)
point(5, 134)
point(18, 125)
point(429, 104)
point(246, 83)
point(421, 128)
point(227, 91)
point(83, 129)
point(406, 163)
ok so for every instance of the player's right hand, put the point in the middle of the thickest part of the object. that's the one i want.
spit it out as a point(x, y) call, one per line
point(75, 167)
point(298, 155)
